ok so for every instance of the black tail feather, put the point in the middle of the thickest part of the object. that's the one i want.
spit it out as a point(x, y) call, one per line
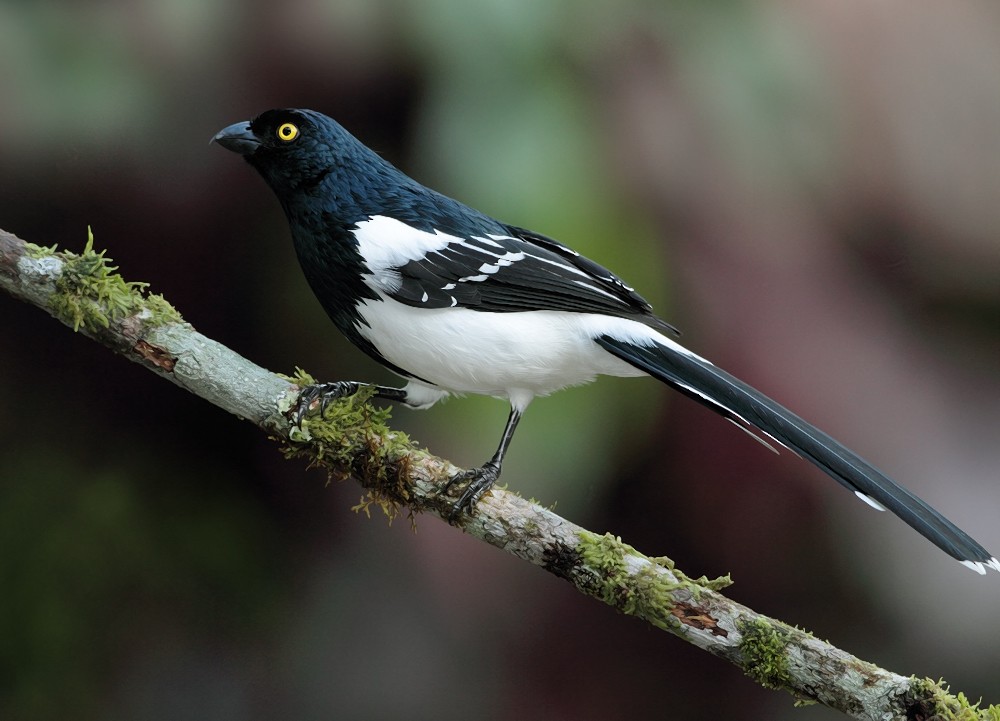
point(734, 399)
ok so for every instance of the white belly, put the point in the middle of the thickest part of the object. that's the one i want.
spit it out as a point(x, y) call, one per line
point(510, 355)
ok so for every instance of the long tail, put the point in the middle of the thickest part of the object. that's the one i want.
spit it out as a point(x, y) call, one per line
point(734, 399)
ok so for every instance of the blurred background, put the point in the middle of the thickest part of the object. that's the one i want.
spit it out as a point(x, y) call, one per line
point(809, 190)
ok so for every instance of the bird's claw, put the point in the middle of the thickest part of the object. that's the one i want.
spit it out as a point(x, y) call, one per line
point(324, 393)
point(478, 481)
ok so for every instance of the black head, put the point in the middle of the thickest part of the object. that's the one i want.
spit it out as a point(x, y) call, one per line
point(295, 150)
point(323, 174)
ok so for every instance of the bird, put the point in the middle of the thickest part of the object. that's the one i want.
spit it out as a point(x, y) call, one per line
point(458, 302)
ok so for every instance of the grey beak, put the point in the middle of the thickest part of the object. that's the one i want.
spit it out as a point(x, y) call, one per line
point(237, 137)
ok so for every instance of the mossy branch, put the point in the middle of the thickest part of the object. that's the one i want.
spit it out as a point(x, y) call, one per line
point(84, 292)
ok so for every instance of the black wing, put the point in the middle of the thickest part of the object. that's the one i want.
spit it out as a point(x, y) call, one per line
point(517, 271)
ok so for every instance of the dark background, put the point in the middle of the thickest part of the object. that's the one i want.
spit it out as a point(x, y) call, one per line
point(810, 190)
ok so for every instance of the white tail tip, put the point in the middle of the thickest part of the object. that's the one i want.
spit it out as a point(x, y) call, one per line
point(981, 566)
point(874, 504)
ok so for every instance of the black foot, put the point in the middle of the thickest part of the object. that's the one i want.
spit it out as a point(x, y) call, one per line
point(324, 393)
point(478, 481)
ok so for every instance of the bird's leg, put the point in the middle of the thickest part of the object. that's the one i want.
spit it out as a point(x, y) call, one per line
point(326, 392)
point(480, 480)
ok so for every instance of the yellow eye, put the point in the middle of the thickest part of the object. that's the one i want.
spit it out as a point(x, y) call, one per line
point(288, 132)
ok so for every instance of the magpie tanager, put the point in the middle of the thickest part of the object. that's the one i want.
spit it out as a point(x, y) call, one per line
point(455, 301)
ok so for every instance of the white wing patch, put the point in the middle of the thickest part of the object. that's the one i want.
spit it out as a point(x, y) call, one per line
point(387, 244)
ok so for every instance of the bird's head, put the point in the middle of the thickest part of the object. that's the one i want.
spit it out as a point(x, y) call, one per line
point(294, 150)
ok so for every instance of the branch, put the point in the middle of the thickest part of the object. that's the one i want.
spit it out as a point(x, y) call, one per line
point(85, 293)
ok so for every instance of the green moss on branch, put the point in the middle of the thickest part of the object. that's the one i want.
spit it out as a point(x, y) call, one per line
point(353, 438)
point(89, 293)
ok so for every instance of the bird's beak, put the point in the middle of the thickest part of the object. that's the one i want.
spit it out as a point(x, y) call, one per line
point(238, 137)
